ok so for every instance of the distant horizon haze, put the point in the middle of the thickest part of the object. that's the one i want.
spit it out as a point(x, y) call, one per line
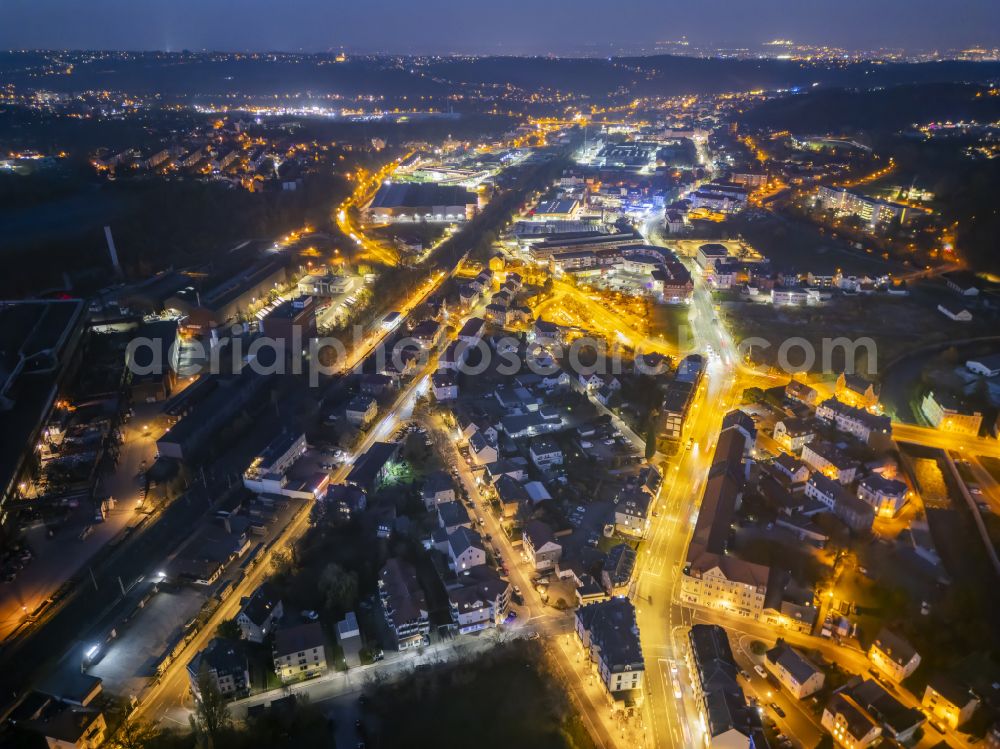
point(517, 27)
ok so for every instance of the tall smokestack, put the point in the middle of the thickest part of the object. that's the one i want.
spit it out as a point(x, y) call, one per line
point(111, 250)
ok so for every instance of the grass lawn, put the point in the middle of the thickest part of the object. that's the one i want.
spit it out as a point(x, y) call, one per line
point(501, 699)
point(895, 325)
point(670, 320)
point(799, 245)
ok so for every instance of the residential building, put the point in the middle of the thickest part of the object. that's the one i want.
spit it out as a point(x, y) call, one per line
point(540, 546)
point(793, 471)
point(893, 655)
point(404, 604)
point(794, 434)
point(479, 601)
point(950, 414)
point(801, 393)
point(632, 506)
point(948, 701)
point(897, 721)
point(372, 468)
point(864, 425)
point(452, 515)
point(68, 726)
point(830, 461)
point(444, 386)
point(744, 424)
point(465, 549)
point(729, 721)
point(856, 514)
point(886, 496)
point(545, 453)
point(609, 633)
point(259, 613)
point(361, 411)
point(856, 391)
point(481, 450)
point(345, 501)
point(438, 488)
point(299, 652)
point(225, 663)
point(472, 330)
point(616, 572)
point(878, 215)
point(850, 724)
point(799, 675)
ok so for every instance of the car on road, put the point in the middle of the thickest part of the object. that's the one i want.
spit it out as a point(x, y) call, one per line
point(745, 674)
point(760, 671)
point(310, 615)
point(777, 708)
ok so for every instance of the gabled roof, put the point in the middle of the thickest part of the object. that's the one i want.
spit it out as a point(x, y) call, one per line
point(289, 640)
point(784, 655)
point(462, 539)
point(538, 533)
point(261, 604)
point(894, 646)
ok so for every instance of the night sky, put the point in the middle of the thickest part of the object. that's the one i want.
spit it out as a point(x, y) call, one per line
point(494, 27)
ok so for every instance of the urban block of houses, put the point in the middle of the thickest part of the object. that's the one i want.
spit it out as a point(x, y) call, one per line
point(730, 723)
point(299, 652)
point(609, 633)
point(855, 513)
point(829, 460)
point(895, 719)
point(893, 655)
point(712, 577)
point(870, 428)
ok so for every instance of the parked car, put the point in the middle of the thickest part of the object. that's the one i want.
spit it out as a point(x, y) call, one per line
point(777, 708)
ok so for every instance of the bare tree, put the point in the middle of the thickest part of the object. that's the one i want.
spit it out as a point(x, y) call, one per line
point(211, 713)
